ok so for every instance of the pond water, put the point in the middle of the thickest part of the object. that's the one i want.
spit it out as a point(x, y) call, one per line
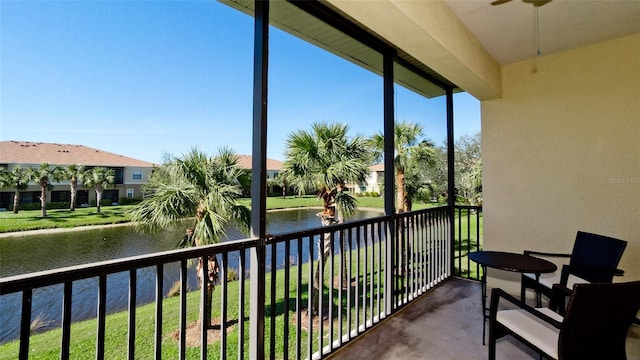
point(31, 253)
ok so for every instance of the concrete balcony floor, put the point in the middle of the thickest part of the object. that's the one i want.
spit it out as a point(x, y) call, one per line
point(444, 324)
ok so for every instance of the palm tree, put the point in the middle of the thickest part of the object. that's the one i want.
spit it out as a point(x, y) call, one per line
point(196, 188)
point(17, 179)
point(409, 151)
point(325, 158)
point(73, 173)
point(280, 181)
point(42, 177)
point(98, 178)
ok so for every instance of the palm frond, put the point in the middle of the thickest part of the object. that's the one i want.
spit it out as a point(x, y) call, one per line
point(345, 203)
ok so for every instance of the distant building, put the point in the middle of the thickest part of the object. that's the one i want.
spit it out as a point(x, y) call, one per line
point(130, 173)
point(373, 181)
point(273, 166)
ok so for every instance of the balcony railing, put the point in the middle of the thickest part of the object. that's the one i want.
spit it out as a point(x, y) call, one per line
point(375, 267)
point(468, 238)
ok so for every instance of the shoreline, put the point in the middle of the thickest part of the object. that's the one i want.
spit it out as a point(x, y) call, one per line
point(93, 227)
point(60, 230)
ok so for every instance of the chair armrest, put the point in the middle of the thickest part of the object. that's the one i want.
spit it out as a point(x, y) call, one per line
point(561, 289)
point(585, 272)
point(497, 293)
point(539, 253)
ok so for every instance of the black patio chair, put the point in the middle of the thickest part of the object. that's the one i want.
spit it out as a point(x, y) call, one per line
point(594, 259)
point(595, 325)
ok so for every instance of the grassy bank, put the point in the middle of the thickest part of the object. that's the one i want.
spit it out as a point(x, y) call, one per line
point(31, 220)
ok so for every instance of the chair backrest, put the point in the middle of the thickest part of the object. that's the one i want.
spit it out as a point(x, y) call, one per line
point(597, 252)
point(597, 320)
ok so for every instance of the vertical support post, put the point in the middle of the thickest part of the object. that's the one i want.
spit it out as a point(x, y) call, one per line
point(258, 179)
point(389, 208)
point(451, 178)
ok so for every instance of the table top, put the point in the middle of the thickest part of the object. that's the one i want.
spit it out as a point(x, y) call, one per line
point(513, 262)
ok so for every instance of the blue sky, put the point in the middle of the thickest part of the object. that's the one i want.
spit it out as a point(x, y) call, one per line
point(142, 78)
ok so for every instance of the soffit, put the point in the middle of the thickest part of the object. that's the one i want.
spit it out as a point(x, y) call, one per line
point(291, 19)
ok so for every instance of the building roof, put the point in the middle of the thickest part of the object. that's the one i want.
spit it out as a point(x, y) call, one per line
point(245, 162)
point(377, 167)
point(25, 152)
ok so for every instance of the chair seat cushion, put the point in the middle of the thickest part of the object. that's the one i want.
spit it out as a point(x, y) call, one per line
point(547, 280)
point(534, 330)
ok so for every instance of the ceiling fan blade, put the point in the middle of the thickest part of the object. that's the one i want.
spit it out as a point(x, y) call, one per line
point(537, 3)
point(498, 2)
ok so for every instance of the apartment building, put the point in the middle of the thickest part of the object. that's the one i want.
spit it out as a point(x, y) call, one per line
point(130, 173)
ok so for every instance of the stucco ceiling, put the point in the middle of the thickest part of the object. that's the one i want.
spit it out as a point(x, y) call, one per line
point(508, 31)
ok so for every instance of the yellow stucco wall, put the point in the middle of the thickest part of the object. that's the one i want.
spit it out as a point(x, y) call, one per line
point(561, 153)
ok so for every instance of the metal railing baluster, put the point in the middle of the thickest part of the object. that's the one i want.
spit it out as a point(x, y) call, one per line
point(299, 299)
point(205, 311)
point(25, 323)
point(287, 279)
point(224, 305)
point(101, 310)
point(159, 298)
point(241, 299)
point(66, 320)
point(132, 314)
point(182, 343)
point(272, 271)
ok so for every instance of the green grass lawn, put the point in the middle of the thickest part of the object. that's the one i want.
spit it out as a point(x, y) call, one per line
point(63, 218)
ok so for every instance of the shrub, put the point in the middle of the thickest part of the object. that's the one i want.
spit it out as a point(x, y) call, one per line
point(129, 201)
point(103, 202)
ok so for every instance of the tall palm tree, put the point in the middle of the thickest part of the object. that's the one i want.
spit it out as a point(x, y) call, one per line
point(17, 179)
point(43, 176)
point(409, 150)
point(196, 188)
point(73, 173)
point(325, 158)
point(98, 178)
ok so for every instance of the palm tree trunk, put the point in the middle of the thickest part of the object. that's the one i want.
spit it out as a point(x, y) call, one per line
point(400, 199)
point(43, 198)
point(98, 199)
point(212, 270)
point(324, 249)
point(343, 251)
point(400, 189)
point(74, 190)
point(16, 201)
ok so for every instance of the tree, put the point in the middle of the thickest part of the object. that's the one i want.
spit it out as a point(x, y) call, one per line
point(195, 188)
point(73, 173)
point(42, 177)
point(410, 151)
point(98, 178)
point(17, 179)
point(468, 169)
point(281, 180)
point(325, 158)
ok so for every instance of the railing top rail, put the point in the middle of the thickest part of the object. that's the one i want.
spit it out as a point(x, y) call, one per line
point(471, 207)
point(347, 225)
point(21, 282)
point(326, 229)
point(421, 211)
